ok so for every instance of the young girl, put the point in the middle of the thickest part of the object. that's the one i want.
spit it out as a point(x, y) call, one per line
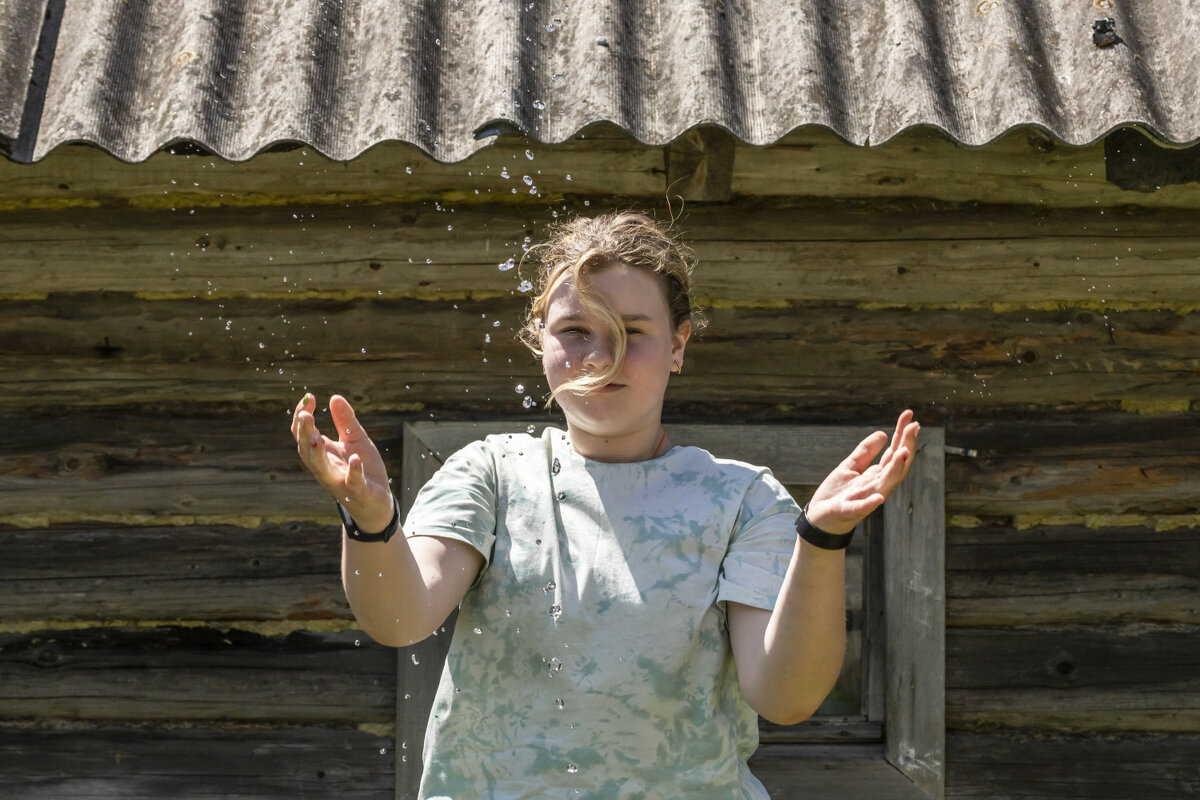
point(627, 604)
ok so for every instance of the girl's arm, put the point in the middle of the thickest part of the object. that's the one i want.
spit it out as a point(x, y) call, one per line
point(403, 589)
point(789, 659)
point(400, 590)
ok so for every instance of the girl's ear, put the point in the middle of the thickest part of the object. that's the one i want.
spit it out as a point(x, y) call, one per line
point(679, 338)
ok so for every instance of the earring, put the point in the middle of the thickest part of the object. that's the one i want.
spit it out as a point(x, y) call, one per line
point(677, 369)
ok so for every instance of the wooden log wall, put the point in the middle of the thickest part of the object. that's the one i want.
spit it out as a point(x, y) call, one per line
point(169, 594)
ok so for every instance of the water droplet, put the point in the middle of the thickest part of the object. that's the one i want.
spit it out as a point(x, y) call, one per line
point(550, 587)
point(478, 630)
point(496, 324)
point(524, 286)
point(539, 105)
point(556, 468)
point(408, 170)
point(415, 660)
point(569, 176)
point(558, 701)
point(519, 388)
point(529, 154)
point(504, 173)
point(562, 495)
point(571, 768)
point(357, 643)
point(556, 611)
point(530, 429)
point(527, 402)
point(553, 665)
point(383, 751)
point(505, 266)
point(355, 572)
point(528, 180)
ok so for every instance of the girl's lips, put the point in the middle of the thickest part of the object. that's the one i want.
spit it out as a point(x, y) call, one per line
point(610, 387)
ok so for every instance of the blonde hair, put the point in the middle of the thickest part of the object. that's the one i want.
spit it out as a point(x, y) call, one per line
point(587, 245)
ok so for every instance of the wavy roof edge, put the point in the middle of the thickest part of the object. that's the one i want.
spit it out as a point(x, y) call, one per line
point(185, 145)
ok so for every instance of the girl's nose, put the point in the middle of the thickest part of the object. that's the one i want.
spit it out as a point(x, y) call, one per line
point(600, 354)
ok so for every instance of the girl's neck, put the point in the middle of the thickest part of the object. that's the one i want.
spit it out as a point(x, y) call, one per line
point(639, 446)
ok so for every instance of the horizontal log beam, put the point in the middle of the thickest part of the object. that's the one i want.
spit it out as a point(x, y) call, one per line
point(1073, 464)
point(1023, 166)
point(1077, 678)
point(896, 253)
point(999, 576)
point(120, 351)
point(103, 572)
point(199, 673)
point(140, 468)
point(99, 762)
point(1046, 765)
point(597, 163)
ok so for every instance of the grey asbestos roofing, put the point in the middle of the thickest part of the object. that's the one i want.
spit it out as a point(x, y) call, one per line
point(238, 76)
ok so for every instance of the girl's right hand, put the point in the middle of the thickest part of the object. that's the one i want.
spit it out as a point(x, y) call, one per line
point(350, 468)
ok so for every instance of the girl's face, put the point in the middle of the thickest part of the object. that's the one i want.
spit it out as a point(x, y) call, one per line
point(574, 343)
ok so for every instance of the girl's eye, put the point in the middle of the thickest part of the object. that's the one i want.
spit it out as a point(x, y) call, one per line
point(631, 331)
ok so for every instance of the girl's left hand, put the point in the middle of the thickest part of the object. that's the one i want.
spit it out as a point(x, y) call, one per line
point(857, 486)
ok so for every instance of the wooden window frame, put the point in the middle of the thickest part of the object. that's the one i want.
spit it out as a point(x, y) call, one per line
point(906, 610)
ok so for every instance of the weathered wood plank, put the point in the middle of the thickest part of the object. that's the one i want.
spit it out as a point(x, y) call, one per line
point(600, 162)
point(101, 572)
point(792, 772)
point(145, 762)
point(1076, 464)
point(896, 253)
point(914, 580)
point(198, 673)
point(140, 468)
point(1138, 677)
point(1022, 166)
point(998, 576)
point(1045, 765)
point(117, 350)
point(244, 466)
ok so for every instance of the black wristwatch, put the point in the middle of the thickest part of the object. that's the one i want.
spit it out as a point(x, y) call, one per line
point(819, 538)
point(355, 533)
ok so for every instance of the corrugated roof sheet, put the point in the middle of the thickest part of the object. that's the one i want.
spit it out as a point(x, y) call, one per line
point(20, 24)
point(237, 76)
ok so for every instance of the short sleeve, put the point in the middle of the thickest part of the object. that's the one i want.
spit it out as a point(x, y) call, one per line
point(761, 546)
point(459, 501)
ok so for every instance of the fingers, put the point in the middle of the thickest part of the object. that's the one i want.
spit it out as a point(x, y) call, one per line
point(356, 478)
point(304, 426)
point(310, 444)
point(348, 427)
point(897, 439)
point(866, 451)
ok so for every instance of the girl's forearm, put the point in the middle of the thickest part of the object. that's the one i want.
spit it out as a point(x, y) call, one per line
point(804, 644)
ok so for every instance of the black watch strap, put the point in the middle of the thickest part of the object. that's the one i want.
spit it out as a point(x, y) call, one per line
point(355, 533)
point(819, 538)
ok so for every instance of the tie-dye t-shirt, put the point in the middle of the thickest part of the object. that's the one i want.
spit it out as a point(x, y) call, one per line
point(591, 659)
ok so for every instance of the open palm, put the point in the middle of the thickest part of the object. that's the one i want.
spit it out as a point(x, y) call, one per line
point(350, 467)
point(859, 485)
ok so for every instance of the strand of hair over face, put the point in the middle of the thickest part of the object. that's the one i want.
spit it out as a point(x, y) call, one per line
point(584, 246)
